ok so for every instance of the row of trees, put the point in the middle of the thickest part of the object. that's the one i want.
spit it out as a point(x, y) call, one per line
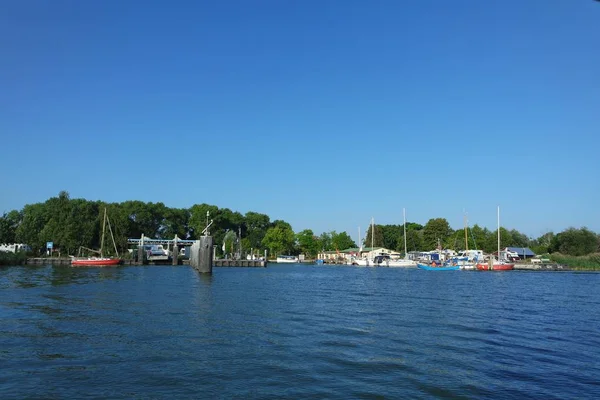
point(74, 223)
point(438, 233)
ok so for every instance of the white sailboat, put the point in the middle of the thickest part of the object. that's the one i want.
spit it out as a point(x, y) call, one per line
point(366, 261)
point(402, 262)
point(498, 264)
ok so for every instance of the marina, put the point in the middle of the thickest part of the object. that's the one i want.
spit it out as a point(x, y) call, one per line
point(262, 264)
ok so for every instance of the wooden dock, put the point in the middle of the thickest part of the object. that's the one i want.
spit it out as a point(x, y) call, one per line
point(239, 263)
point(216, 263)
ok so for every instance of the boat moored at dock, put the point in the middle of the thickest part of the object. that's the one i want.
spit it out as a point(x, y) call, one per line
point(438, 268)
point(283, 259)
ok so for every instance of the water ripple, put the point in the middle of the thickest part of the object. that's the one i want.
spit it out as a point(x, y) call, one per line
point(297, 332)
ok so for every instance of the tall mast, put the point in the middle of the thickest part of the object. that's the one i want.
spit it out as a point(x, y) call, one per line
point(102, 240)
point(359, 243)
point(372, 232)
point(498, 232)
point(404, 219)
point(112, 236)
point(466, 241)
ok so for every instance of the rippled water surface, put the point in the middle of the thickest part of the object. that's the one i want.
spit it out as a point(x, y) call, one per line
point(297, 332)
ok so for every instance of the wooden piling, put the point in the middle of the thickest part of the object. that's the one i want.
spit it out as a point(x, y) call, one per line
point(175, 254)
point(201, 257)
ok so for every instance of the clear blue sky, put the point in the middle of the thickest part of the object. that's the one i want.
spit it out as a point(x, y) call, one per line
point(321, 113)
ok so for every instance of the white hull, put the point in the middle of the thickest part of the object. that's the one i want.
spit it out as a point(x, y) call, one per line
point(287, 260)
point(400, 263)
point(363, 262)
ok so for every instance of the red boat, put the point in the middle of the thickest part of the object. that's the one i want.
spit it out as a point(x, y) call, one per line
point(496, 266)
point(98, 261)
point(95, 262)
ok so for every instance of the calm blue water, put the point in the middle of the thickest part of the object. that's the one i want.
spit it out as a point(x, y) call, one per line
point(297, 332)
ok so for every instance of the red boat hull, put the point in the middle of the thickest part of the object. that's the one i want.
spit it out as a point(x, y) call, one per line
point(495, 267)
point(95, 262)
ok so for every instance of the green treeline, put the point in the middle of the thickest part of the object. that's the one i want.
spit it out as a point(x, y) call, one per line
point(74, 223)
point(573, 242)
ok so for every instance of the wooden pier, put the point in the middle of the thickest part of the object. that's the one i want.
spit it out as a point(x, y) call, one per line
point(239, 263)
point(216, 263)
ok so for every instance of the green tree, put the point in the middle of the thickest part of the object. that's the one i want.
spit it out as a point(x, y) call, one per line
point(308, 243)
point(542, 244)
point(518, 239)
point(325, 243)
point(414, 241)
point(575, 242)
point(175, 222)
point(376, 232)
point(9, 222)
point(256, 228)
point(57, 210)
point(82, 227)
point(478, 237)
point(144, 218)
point(434, 230)
point(279, 240)
point(341, 241)
point(491, 243)
point(200, 217)
point(391, 234)
point(34, 220)
point(230, 242)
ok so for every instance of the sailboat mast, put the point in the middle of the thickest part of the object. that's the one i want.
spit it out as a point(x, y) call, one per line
point(112, 236)
point(466, 240)
point(359, 244)
point(498, 232)
point(372, 232)
point(404, 219)
point(102, 240)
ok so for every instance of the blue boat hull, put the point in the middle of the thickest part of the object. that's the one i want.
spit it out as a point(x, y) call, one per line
point(444, 268)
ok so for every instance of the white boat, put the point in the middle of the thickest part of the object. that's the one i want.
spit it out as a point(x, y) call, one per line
point(468, 258)
point(366, 261)
point(287, 259)
point(402, 262)
point(385, 260)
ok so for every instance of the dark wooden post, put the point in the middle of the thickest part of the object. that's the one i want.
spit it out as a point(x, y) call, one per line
point(201, 256)
point(140, 254)
point(175, 254)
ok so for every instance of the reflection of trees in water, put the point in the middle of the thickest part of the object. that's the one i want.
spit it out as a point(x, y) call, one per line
point(24, 277)
point(66, 275)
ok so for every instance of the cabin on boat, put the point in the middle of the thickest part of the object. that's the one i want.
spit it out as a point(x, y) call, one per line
point(347, 256)
point(522, 253)
point(434, 255)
